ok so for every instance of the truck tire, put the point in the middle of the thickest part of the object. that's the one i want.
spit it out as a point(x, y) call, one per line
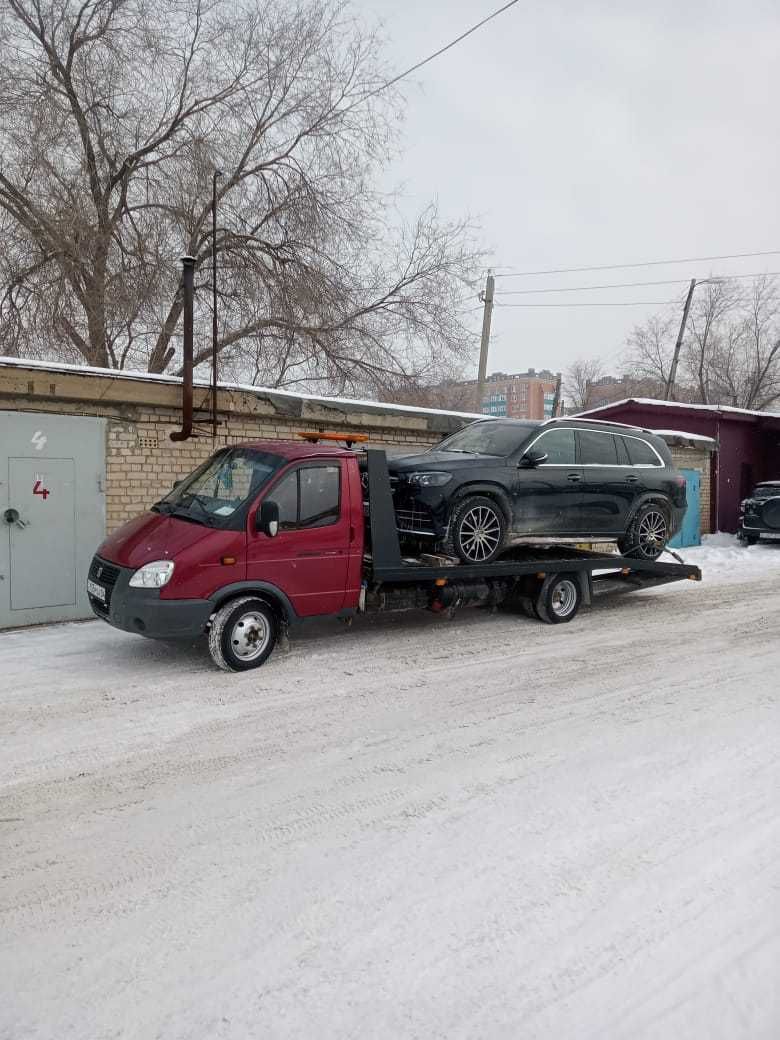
point(243, 633)
point(559, 599)
point(477, 530)
point(647, 534)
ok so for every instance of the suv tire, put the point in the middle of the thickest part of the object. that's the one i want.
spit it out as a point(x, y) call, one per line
point(477, 530)
point(647, 534)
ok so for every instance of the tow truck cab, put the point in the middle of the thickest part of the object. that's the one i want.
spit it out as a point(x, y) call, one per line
point(275, 520)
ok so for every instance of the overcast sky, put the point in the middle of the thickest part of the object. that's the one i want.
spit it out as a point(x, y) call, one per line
point(596, 133)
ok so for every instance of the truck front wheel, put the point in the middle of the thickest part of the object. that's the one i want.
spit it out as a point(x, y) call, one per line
point(243, 633)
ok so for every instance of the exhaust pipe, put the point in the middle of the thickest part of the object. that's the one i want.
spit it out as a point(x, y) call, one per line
point(188, 289)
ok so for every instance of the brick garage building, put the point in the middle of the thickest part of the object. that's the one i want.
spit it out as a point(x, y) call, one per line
point(142, 411)
point(98, 442)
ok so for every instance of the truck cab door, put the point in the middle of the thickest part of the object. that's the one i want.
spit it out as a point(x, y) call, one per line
point(308, 560)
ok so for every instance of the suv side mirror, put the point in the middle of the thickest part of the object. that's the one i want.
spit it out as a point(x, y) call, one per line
point(532, 458)
point(267, 518)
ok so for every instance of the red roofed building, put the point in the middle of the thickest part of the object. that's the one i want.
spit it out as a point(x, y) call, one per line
point(748, 445)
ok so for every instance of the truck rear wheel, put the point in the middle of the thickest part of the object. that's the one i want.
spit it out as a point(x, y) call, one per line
point(559, 599)
point(243, 633)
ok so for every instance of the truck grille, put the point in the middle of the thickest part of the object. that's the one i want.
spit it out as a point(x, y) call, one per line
point(105, 574)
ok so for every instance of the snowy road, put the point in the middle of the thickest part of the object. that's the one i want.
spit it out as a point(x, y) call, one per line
point(411, 828)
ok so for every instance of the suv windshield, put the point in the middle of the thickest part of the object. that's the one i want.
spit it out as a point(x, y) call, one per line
point(217, 491)
point(489, 438)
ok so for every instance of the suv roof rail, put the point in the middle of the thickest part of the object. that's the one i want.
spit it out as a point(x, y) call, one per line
point(599, 422)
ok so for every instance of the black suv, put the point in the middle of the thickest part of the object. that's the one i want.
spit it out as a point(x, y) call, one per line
point(760, 514)
point(502, 482)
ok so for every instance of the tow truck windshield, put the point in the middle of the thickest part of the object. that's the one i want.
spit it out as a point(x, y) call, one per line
point(220, 491)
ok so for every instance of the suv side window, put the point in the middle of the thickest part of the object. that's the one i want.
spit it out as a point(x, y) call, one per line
point(622, 450)
point(559, 447)
point(597, 449)
point(308, 497)
point(641, 453)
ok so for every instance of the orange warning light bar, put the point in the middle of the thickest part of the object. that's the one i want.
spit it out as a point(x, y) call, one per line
point(350, 438)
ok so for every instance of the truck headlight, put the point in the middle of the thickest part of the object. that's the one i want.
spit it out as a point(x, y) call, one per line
point(432, 479)
point(152, 575)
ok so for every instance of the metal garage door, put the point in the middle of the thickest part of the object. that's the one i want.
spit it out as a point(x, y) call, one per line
point(690, 532)
point(52, 514)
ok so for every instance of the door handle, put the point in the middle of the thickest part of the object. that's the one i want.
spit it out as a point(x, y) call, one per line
point(632, 480)
point(574, 478)
point(11, 516)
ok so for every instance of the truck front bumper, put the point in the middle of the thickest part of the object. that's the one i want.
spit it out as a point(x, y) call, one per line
point(143, 612)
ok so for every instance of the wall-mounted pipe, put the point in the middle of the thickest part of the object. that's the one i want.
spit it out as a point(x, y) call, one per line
point(188, 289)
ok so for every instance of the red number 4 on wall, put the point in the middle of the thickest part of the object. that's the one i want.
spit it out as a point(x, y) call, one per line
point(38, 490)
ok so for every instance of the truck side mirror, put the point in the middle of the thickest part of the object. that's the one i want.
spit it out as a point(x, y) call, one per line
point(532, 458)
point(267, 518)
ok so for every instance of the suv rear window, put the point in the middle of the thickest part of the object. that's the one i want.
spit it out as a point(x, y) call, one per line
point(640, 452)
point(597, 449)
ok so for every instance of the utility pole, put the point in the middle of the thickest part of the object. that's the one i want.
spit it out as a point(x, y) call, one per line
point(556, 405)
point(487, 299)
point(669, 395)
point(214, 330)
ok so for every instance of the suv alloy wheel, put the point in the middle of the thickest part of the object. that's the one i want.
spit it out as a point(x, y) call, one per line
point(477, 530)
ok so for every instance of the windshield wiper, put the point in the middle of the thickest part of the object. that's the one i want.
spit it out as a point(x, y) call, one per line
point(208, 518)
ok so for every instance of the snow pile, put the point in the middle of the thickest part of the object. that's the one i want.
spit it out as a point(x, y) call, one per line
point(724, 557)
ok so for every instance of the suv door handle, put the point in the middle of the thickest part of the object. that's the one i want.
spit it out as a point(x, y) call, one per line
point(632, 480)
point(574, 478)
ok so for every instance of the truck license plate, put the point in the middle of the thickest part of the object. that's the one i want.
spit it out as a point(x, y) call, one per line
point(96, 590)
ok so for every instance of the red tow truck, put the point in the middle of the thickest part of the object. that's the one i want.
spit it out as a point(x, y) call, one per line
point(267, 534)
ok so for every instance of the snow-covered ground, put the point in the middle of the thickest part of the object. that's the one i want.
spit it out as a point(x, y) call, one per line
point(408, 828)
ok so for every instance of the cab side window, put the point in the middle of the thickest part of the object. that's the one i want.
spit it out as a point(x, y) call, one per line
point(558, 445)
point(308, 497)
point(597, 449)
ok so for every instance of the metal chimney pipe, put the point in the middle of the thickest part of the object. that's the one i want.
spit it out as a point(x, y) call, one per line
point(188, 289)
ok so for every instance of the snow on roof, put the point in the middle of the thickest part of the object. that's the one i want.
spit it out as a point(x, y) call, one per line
point(700, 438)
point(718, 408)
point(247, 388)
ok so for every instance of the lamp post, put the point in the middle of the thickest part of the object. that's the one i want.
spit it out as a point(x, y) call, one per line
point(214, 330)
point(669, 392)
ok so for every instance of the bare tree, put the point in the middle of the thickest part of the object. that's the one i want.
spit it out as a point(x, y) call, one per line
point(649, 350)
point(712, 304)
point(731, 351)
point(577, 381)
point(114, 115)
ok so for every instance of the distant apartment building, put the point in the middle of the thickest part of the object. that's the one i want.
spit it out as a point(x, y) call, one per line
point(608, 389)
point(519, 395)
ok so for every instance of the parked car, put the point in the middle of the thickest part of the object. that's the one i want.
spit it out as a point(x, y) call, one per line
point(503, 482)
point(760, 513)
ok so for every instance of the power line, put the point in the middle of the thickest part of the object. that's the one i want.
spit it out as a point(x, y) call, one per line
point(634, 285)
point(616, 303)
point(643, 263)
point(436, 54)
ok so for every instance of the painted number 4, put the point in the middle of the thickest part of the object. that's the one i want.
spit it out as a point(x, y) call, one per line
point(38, 490)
